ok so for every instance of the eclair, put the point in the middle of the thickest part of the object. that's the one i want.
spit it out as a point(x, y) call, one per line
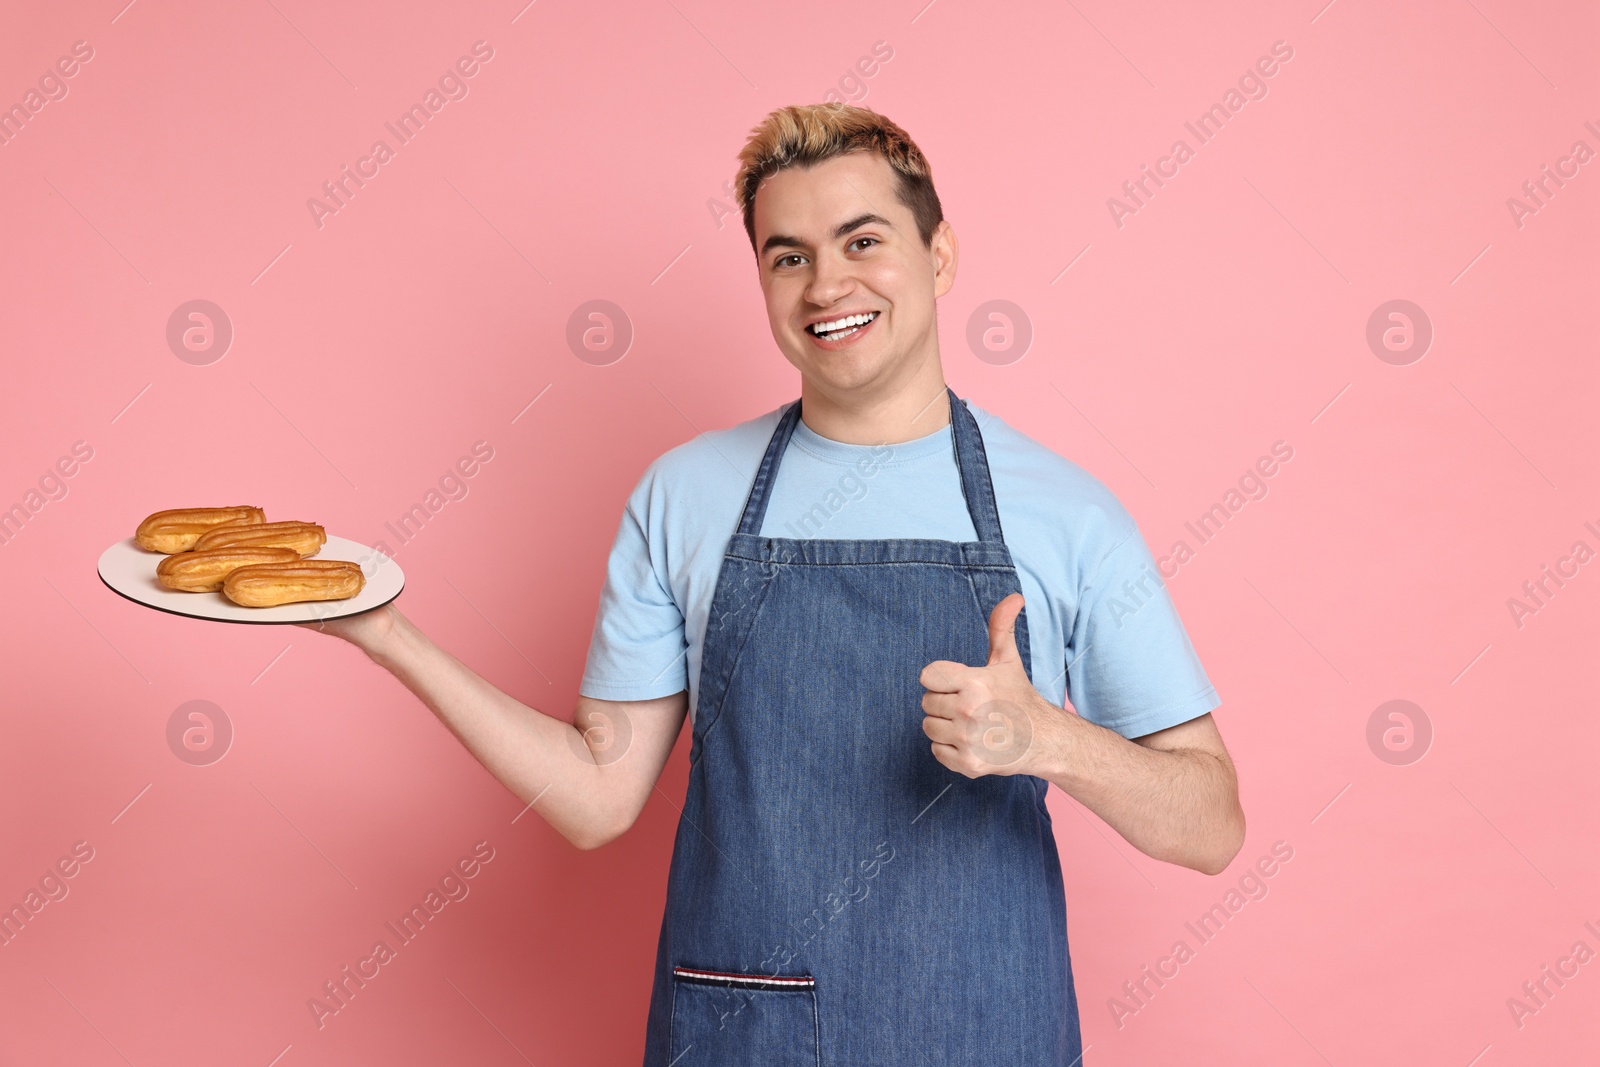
point(177, 529)
point(203, 572)
point(306, 538)
point(263, 585)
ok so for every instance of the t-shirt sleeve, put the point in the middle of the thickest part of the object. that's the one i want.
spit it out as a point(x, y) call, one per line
point(638, 648)
point(1130, 666)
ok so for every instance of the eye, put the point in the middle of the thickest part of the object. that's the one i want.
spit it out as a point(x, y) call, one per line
point(858, 240)
point(791, 255)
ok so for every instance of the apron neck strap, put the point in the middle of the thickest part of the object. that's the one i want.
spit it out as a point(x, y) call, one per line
point(972, 463)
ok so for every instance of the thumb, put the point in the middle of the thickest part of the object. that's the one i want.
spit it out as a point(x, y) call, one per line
point(1002, 630)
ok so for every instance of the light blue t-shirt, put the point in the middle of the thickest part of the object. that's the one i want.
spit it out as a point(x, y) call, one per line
point(1093, 597)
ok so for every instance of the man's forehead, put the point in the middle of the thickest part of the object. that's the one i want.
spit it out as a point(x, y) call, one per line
point(822, 201)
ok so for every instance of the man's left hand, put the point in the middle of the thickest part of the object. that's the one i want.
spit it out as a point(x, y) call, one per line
point(990, 719)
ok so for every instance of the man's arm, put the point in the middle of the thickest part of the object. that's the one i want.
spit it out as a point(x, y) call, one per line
point(1172, 795)
point(588, 780)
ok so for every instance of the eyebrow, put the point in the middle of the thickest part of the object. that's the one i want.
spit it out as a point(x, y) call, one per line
point(784, 240)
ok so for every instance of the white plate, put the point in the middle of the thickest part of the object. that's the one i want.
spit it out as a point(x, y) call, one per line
point(131, 571)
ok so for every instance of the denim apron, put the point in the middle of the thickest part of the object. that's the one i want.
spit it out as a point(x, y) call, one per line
point(837, 895)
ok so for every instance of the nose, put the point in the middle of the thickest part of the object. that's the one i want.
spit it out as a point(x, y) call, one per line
point(831, 279)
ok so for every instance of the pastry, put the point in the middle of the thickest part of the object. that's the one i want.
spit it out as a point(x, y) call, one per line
point(203, 572)
point(306, 538)
point(177, 529)
point(261, 585)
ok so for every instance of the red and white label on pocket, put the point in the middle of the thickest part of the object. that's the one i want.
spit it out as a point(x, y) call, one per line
point(735, 980)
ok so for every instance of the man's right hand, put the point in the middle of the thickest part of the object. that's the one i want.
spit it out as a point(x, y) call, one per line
point(367, 631)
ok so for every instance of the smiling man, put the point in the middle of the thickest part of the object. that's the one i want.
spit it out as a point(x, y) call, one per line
point(865, 869)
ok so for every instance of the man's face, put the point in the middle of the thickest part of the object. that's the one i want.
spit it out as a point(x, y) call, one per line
point(834, 240)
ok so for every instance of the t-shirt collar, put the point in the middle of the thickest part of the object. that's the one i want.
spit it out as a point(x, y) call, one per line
point(831, 451)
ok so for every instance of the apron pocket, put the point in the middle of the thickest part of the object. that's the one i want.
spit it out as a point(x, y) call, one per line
point(735, 1019)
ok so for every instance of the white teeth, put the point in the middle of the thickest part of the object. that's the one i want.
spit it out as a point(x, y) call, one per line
point(823, 329)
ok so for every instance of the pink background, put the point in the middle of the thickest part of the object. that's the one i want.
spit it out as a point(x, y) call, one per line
point(587, 162)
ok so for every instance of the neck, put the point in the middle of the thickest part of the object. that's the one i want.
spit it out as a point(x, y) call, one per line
point(904, 413)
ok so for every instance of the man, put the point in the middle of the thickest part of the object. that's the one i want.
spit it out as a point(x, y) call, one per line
point(865, 869)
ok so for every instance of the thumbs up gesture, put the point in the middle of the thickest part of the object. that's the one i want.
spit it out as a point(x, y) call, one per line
point(989, 719)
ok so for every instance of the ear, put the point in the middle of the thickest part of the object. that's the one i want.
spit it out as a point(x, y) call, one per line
point(944, 253)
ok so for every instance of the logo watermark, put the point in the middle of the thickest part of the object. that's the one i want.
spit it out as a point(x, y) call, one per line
point(1252, 886)
point(852, 889)
point(199, 332)
point(999, 332)
point(52, 486)
point(1539, 191)
point(1537, 992)
point(452, 85)
point(1252, 85)
point(600, 737)
point(1399, 732)
point(850, 487)
point(450, 486)
point(199, 732)
point(1538, 592)
point(1252, 485)
point(52, 88)
point(338, 992)
point(1399, 332)
point(851, 88)
point(1001, 734)
point(52, 888)
point(599, 332)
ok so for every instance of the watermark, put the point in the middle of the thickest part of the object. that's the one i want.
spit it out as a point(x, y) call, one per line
point(1399, 332)
point(999, 332)
point(1000, 733)
point(452, 485)
point(850, 487)
point(52, 888)
point(199, 332)
point(727, 1001)
point(1252, 85)
point(52, 88)
point(1137, 993)
point(600, 737)
point(1541, 190)
point(599, 332)
point(723, 206)
point(52, 486)
point(1537, 993)
point(850, 890)
point(452, 85)
point(1252, 485)
point(1399, 732)
point(199, 732)
point(1134, 595)
point(338, 992)
point(1538, 592)
point(851, 88)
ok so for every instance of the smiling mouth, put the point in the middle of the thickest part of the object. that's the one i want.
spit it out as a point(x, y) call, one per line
point(856, 325)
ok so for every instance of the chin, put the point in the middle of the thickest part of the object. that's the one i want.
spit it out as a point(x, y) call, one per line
point(841, 372)
point(851, 380)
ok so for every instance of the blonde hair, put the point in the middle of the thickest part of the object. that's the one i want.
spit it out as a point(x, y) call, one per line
point(805, 134)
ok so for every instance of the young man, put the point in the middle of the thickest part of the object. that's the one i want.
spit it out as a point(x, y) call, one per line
point(865, 869)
